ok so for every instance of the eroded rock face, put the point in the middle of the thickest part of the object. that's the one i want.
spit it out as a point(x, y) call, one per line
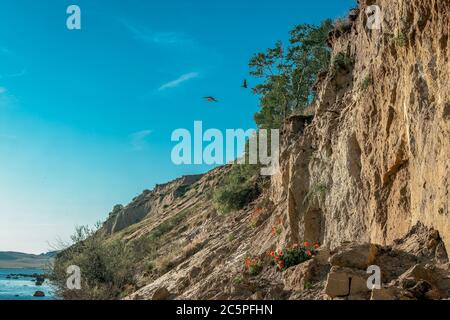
point(374, 162)
point(372, 167)
point(150, 201)
point(161, 294)
point(355, 256)
point(407, 272)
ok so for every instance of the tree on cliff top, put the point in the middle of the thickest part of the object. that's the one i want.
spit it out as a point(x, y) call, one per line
point(288, 74)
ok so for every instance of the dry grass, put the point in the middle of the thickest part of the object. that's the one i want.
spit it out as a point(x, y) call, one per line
point(194, 246)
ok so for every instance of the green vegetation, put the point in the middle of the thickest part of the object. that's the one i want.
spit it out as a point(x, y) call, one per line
point(253, 266)
point(238, 280)
point(167, 226)
point(108, 266)
point(116, 209)
point(147, 246)
point(287, 77)
point(367, 82)
point(289, 73)
point(399, 40)
point(182, 190)
point(293, 256)
point(342, 62)
point(277, 230)
point(238, 188)
point(308, 286)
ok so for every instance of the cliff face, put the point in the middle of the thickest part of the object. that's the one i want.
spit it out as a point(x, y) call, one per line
point(371, 168)
point(150, 202)
point(375, 161)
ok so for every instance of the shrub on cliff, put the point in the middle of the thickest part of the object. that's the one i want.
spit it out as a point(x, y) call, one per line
point(253, 266)
point(342, 62)
point(238, 188)
point(107, 268)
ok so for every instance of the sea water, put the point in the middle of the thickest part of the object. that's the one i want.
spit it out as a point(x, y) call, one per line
point(23, 288)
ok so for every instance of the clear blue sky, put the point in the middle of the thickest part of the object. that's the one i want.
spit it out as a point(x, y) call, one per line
point(86, 116)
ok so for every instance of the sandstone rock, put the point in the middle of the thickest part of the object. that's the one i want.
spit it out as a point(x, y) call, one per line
point(418, 272)
point(337, 285)
point(437, 277)
point(296, 277)
point(183, 283)
point(353, 14)
point(384, 294)
point(408, 283)
point(420, 289)
point(441, 253)
point(376, 157)
point(433, 294)
point(257, 296)
point(384, 163)
point(149, 202)
point(276, 293)
point(344, 282)
point(195, 271)
point(358, 283)
point(355, 256)
point(322, 256)
point(161, 294)
point(241, 290)
point(359, 296)
point(137, 297)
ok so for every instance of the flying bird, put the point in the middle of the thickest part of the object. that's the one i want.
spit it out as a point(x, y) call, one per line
point(211, 99)
point(245, 84)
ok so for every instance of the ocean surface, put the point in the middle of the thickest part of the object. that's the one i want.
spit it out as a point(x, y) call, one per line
point(23, 288)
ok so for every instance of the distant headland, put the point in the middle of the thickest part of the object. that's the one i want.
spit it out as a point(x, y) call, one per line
point(10, 259)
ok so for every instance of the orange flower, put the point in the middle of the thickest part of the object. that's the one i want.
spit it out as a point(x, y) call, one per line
point(306, 244)
point(317, 246)
point(248, 262)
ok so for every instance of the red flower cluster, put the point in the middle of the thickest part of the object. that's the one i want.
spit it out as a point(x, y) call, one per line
point(310, 248)
point(252, 266)
point(293, 255)
point(277, 256)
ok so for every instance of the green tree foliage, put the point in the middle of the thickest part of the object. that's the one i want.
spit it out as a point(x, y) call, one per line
point(289, 73)
point(287, 77)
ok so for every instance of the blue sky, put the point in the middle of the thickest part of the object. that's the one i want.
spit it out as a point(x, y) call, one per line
point(86, 116)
